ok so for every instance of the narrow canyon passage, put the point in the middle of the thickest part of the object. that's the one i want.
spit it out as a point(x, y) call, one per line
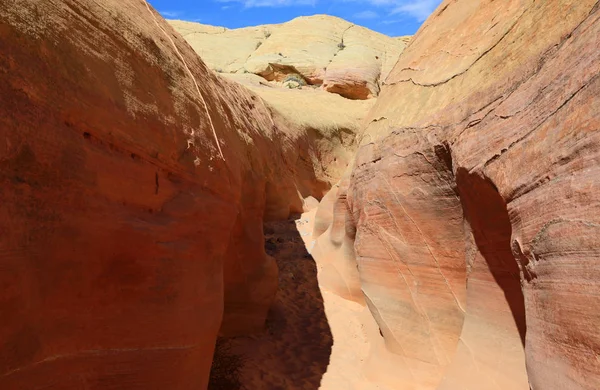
point(447, 234)
point(293, 352)
point(314, 339)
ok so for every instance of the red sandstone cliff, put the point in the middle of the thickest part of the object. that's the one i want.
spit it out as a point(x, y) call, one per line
point(134, 183)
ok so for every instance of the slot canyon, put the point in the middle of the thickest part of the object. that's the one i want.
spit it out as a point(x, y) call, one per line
point(304, 205)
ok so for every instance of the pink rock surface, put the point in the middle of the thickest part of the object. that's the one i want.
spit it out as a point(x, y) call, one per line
point(473, 197)
point(333, 236)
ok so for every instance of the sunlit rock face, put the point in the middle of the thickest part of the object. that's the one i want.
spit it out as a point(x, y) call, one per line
point(339, 56)
point(472, 200)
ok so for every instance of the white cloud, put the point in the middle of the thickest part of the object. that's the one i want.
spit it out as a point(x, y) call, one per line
point(170, 14)
point(415, 9)
point(366, 15)
point(270, 3)
point(419, 10)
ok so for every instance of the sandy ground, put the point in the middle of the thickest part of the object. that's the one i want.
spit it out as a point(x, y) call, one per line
point(314, 339)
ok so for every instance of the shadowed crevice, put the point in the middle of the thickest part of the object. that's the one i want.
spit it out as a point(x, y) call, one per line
point(294, 350)
point(486, 212)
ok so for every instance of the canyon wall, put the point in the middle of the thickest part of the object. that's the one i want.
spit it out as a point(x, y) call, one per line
point(135, 182)
point(134, 187)
point(472, 205)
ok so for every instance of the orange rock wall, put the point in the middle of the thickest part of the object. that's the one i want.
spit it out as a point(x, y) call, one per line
point(134, 183)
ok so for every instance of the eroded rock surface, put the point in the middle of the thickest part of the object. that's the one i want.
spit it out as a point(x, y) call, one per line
point(344, 58)
point(473, 200)
point(134, 187)
point(135, 183)
point(327, 123)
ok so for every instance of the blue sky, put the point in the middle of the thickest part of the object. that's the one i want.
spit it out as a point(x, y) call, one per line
point(391, 17)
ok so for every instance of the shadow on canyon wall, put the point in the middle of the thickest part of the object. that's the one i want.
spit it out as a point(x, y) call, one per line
point(293, 352)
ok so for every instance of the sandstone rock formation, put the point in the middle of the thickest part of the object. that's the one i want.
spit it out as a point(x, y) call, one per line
point(134, 187)
point(472, 203)
point(342, 57)
point(459, 250)
point(327, 122)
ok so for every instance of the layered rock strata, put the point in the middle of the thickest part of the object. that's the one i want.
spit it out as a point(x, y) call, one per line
point(471, 205)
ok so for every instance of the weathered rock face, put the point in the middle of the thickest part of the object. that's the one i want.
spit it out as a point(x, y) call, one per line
point(134, 186)
point(135, 183)
point(344, 58)
point(363, 61)
point(327, 123)
point(473, 200)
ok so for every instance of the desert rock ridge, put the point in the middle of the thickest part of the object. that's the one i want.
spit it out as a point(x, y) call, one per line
point(339, 56)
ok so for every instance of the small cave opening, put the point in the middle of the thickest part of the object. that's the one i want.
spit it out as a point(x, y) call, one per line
point(486, 213)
